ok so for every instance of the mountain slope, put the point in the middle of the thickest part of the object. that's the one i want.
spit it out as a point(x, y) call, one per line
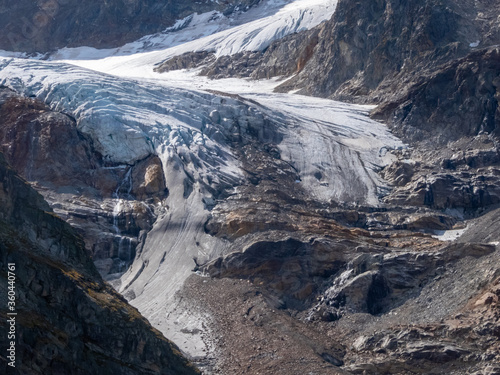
point(197, 138)
point(271, 232)
point(368, 50)
point(68, 320)
point(48, 25)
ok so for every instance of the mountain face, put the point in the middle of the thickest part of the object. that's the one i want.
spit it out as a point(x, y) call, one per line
point(395, 53)
point(43, 26)
point(372, 49)
point(47, 149)
point(267, 232)
point(68, 320)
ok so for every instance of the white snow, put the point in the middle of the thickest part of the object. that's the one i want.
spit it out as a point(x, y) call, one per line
point(449, 235)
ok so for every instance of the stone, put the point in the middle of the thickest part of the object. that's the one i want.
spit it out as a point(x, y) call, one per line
point(30, 27)
point(70, 320)
point(148, 180)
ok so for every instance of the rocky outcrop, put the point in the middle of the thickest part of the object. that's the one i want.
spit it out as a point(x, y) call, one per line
point(369, 49)
point(47, 25)
point(447, 339)
point(68, 320)
point(111, 205)
point(391, 301)
point(462, 96)
point(382, 295)
point(464, 175)
point(282, 58)
point(188, 60)
point(43, 145)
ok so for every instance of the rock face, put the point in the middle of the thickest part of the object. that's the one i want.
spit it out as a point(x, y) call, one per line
point(47, 149)
point(68, 320)
point(47, 25)
point(380, 295)
point(368, 48)
point(462, 96)
point(282, 58)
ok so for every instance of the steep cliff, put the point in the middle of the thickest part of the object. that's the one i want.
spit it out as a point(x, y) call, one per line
point(369, 49)
point(68, 320)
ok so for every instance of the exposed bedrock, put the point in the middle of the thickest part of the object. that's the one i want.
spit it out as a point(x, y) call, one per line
point(47, 25)
point(373, 49)
point(68, 320)
point(282, 58)
point(394, 300)
point(391, 290)
point(100, 199)
point(461, 96)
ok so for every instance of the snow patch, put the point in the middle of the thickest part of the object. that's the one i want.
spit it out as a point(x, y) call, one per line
point(449, 235)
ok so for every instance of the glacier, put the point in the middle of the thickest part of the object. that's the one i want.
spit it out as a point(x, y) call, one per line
point(188, 129)
point(131, 112)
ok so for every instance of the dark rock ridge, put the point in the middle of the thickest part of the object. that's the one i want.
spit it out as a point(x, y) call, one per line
point(68, 320)
point(462, 96)
point(43, 26)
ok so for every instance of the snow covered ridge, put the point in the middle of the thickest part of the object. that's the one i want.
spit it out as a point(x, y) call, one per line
point(254, 29)
point(249, 31)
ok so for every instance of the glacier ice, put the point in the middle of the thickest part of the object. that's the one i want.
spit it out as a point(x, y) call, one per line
point(190, 130)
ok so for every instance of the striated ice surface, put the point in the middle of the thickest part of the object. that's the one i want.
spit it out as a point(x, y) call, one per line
point(333, 139)
point(130, 120)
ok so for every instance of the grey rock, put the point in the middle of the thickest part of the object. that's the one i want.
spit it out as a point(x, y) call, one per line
point(468, 86)
point(44, 26)
point(69, 320)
